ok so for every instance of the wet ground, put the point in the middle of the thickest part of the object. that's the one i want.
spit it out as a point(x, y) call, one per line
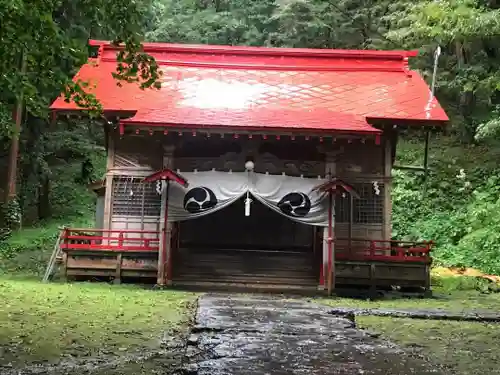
point(259, 335)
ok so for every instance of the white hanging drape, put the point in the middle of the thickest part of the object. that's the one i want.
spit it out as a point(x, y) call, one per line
point(211, 191)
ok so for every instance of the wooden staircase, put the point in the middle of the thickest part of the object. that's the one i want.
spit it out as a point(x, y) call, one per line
point(246, 268)
point(55, 258)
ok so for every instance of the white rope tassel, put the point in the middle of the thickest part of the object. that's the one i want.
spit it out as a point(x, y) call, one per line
point(376, 188)
point(131, 192)
point(437, 53)
point(248, 200)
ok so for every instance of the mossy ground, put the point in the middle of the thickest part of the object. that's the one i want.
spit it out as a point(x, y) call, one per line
point(462, 348)
point(451, 293)
point(454, 301)
point(47, 322)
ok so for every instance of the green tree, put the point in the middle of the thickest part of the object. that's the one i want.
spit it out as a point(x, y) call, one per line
point(469, 76)
point(49, 39)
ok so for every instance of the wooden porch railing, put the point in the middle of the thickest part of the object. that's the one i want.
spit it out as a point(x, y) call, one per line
point(149, 241)
point(110, 240)
point(380, 250)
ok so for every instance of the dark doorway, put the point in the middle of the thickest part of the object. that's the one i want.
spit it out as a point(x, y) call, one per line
point(229, 248)
point(264, 229)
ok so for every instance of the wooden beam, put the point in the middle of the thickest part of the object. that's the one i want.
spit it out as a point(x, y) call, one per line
point(308, 134)
point(165, 254)
point(108, 195)
point(420, 168)
point(426, 159)
point(411, 168)
point(387, 198)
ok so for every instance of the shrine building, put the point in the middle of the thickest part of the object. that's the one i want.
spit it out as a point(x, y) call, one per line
point(264, 168)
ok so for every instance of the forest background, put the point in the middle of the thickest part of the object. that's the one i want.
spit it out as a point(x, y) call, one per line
point(43, 43)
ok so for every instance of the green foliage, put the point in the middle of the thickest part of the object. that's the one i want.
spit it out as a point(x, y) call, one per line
point(11, 214)
point(27, 251)
point(469, 33)
point(42, 42)
point(460, 211)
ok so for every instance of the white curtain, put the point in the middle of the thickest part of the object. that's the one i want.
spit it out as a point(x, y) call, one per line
point(211, 191)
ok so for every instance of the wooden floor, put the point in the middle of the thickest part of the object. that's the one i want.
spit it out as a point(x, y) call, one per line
point(249, 267)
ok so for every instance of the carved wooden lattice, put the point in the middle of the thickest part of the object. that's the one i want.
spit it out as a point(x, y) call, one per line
point(368, 209)
point(132, 197)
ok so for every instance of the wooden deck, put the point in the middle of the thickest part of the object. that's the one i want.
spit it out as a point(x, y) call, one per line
point(123, 254)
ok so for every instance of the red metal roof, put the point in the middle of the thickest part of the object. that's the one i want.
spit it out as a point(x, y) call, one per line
point(271, 88)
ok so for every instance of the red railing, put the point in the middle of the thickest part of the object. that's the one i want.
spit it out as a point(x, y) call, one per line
point(110, 240)
point(345, 249)
point(396, 251)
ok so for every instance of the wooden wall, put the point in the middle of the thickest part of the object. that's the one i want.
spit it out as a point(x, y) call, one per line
point(99, 213)
point(355, 162)
point(130, 204)
point(361, 165)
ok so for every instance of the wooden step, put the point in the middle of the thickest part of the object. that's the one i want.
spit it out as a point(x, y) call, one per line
point(239, 266)
point(248, 280)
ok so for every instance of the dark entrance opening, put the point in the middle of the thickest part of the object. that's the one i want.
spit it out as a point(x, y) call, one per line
point(265, 248)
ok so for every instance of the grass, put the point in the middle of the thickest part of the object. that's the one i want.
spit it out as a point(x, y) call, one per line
point(27, 252)
point(50, 322)
point(461, 347)
point(451, 301)
point(450, 293)
point(44, 322)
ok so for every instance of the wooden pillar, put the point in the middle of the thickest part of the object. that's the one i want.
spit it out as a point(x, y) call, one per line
point(108, 193)
point(165, 265)
point(351, 222)
point(426, 160)
point(330, 167)
point(387, 160)
point(331, 243)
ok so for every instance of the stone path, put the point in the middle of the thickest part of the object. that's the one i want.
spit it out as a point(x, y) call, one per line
point(428, 314)
point(258, 335)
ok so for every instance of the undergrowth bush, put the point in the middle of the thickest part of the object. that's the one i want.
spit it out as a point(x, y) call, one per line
point(28, 250)
point(459, 208)
point(464, 283)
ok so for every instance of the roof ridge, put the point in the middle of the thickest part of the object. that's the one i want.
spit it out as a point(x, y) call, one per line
point(403, 68)
point(265, 51)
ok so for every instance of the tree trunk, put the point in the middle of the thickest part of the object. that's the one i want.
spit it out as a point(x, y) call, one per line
point(44, 207)
point(467, 99)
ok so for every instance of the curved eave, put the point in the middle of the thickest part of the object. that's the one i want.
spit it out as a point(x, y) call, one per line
point(237, 129)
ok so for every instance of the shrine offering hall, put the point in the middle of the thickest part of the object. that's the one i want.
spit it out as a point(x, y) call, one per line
point(252, 167)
